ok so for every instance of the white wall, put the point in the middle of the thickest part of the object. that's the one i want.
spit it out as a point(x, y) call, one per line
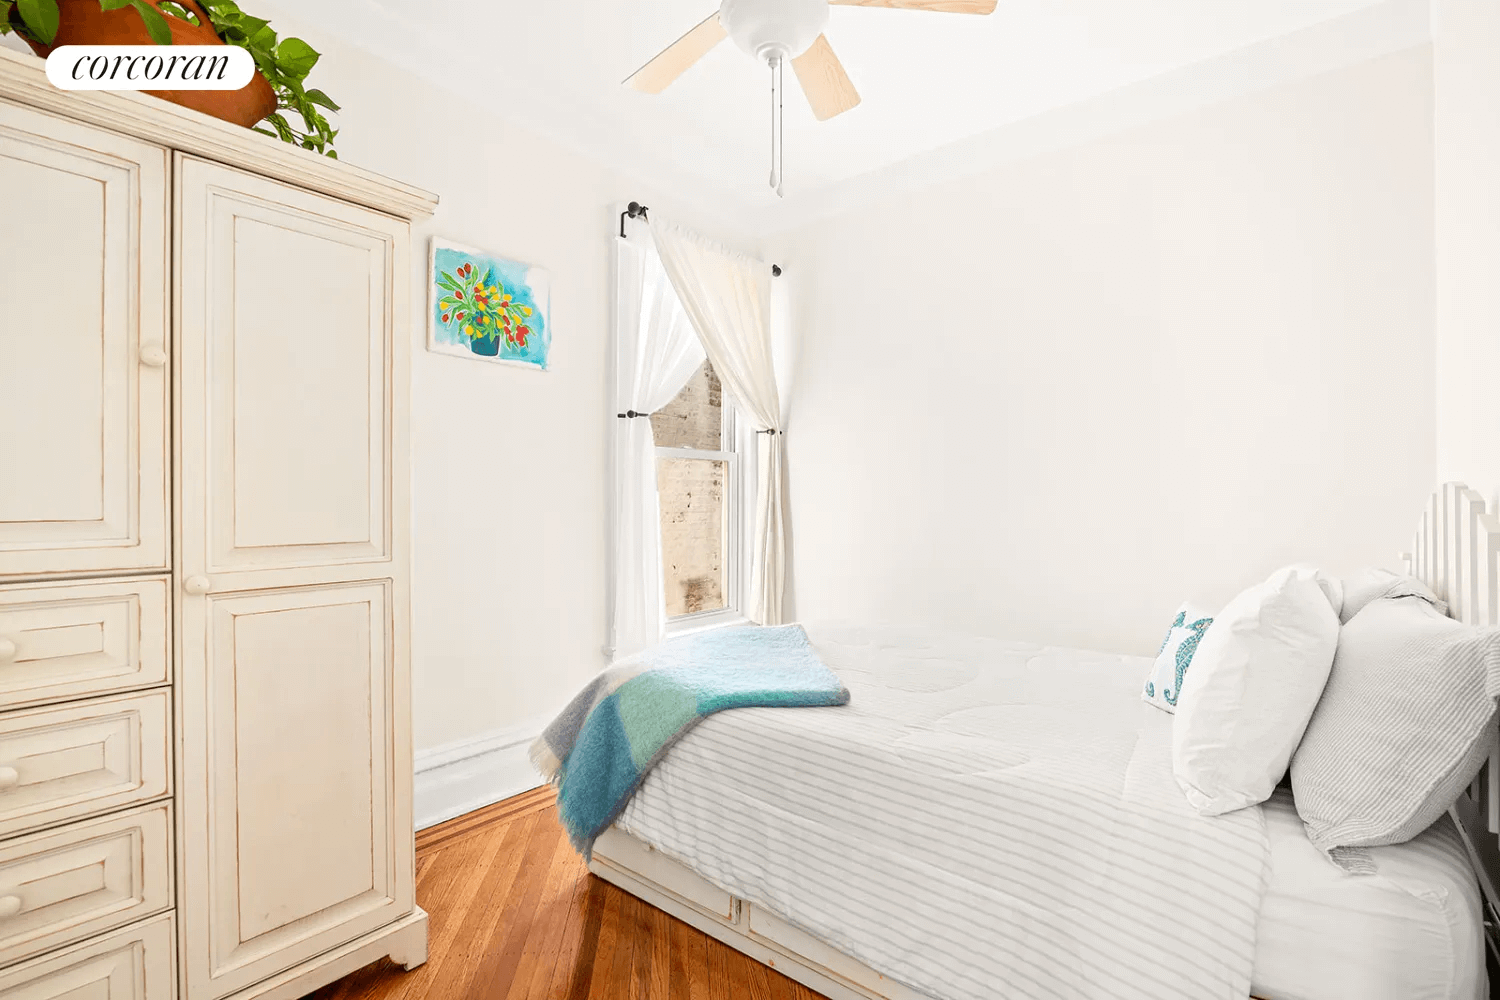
point(1467, 73)
point(1053, 400)
point(509, 465)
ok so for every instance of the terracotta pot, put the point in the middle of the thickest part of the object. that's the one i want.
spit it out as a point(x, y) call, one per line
point(81, 22)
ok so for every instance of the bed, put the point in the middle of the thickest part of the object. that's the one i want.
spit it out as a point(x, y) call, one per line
point(826, 842)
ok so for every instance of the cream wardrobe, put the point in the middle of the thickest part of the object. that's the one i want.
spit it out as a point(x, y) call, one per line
point(205, 759)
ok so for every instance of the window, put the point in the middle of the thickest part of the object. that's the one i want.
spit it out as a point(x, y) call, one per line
point(698, 485)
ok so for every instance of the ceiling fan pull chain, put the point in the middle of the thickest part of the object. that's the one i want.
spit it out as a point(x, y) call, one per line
point(777, 130)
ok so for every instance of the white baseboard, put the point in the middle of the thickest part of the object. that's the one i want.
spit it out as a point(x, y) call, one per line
point(460, 777)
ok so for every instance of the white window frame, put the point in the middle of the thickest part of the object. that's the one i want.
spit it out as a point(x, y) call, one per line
point(738, 502)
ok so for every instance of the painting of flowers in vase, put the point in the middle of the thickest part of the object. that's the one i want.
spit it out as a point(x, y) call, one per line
point(487, 307)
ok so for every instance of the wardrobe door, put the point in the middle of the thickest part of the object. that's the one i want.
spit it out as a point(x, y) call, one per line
point(296, 757)
point(83, 348)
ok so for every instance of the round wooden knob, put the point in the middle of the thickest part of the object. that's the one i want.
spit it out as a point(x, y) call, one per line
point(9, 778)
point(153, 354)
point(9, 906)
point(196, 585)
point(7, 650)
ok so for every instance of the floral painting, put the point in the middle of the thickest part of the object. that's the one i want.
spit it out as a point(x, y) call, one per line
point(488, 307)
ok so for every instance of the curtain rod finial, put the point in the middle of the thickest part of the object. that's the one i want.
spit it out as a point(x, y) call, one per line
point(635, 210)
point(775, 270)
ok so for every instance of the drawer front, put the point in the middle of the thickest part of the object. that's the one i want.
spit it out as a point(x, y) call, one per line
point(828, 961)
point(94, 876)
point(72, 641)
point(636, 857)
point(136, 963)
point(60, 764)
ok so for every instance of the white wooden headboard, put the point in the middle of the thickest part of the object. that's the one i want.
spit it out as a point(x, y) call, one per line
point(1457, 554)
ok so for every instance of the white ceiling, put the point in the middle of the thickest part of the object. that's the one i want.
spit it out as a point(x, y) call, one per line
point(927, 79)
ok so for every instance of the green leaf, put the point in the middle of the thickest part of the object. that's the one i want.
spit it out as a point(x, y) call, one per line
point(156, 25)
point(295, 57)
point(267, 67)
point(262, 40)
point(321, 99)
point(251, 26)
point(283, 129)
point(41, 17)
point(113, 4)
point(177, 10)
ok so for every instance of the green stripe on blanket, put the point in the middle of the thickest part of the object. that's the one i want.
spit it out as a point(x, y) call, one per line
point(602, 745)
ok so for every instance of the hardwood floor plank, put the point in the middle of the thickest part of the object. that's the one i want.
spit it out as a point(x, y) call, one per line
point(518, 917)
point(718, 970)
point(603, 969)
point(698, 944)
point(660, 928)
point(485, 871)
point(540, 955)
point(576, 971)
point(738, 969)
point(760, 982)
point(515, 915)
point(503, 912)
point(578, 916)
point(678, 958)
point(640, 975)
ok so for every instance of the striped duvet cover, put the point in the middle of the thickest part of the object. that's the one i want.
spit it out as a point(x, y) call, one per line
point(984, 819)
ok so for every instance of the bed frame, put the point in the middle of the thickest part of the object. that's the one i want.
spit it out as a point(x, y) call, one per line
point(1456, 553)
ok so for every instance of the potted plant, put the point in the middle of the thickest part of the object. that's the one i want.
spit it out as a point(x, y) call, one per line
point(282, 63)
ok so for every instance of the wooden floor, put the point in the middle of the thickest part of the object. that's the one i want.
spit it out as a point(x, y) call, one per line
point(516, 914)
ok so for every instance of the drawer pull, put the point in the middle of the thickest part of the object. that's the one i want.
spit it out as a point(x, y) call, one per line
point(153, 355)
point(196, 585)
point(9, 778)
point(9, 906)
point(7, 650)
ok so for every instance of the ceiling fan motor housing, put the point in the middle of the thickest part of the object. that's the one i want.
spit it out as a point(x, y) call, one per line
point(768, 28)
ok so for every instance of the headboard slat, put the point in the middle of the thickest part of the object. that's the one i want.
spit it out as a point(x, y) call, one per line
point(1457, 553)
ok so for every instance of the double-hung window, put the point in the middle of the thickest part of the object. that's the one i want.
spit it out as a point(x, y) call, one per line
point(699, 487)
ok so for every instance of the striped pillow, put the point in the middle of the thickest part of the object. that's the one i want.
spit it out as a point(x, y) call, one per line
point(1404, 723)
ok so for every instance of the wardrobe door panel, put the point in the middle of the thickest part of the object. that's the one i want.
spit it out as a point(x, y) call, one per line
point(296, 837)
point(288, 378)
point(83, 349)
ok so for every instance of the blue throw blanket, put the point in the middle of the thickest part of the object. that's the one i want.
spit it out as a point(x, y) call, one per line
point(603, 744)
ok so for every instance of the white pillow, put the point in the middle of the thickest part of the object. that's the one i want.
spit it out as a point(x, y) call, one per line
point(1175, 656)
point(1256, 678)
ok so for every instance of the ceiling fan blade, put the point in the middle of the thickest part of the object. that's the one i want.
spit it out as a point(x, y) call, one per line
point(677, 58)
point(824, 81)
point(946, 6)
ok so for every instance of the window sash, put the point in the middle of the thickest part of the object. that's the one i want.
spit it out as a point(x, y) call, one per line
point(734, 500)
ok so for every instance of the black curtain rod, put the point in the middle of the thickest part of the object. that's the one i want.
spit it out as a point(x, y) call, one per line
point(635, 210)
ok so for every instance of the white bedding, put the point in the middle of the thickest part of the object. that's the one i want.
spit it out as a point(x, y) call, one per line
point(876, 829)
point(1412, 931)
point(983, 814)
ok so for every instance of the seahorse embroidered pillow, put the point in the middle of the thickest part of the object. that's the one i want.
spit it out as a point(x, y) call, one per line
point(1175, 656)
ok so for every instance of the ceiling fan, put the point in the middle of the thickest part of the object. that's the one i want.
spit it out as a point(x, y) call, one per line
point(775, 31)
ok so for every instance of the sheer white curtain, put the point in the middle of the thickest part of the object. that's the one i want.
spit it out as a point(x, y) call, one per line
point(658, 351)
point(727, 296)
